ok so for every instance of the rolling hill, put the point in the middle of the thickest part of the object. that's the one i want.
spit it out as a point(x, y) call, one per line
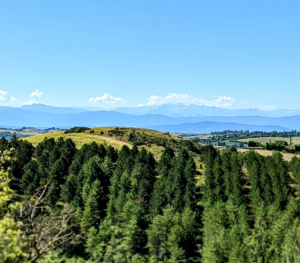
point(152, 140)
point(155, 141)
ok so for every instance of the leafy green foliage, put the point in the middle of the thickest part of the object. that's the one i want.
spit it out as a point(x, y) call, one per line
point(13, 244)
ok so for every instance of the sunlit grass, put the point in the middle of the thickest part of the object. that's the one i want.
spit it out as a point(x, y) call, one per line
point(78, 138)
point(101, 136)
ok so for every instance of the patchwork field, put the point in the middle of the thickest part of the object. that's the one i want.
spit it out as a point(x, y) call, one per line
point(286, 156)
point(264, 140)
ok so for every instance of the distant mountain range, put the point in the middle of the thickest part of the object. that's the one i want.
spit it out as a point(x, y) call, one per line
point(181, 110)
point(43, 116)
point(171, 110)
point(212, 126)
point(51, 109)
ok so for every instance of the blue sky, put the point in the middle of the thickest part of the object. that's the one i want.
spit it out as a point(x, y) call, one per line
point(235, 54)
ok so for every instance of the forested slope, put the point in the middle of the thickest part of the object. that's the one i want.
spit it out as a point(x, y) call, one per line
point(100, 204)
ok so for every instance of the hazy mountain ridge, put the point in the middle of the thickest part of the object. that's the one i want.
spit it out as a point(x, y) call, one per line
point(51, 109)
point(210, 126)
point(26, 117)
point(169, 109)
point(181, 110)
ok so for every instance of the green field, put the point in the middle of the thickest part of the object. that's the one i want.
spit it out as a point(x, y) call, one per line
point(264, 140)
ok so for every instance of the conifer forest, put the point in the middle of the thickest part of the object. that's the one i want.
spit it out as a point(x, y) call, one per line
point(99, 204)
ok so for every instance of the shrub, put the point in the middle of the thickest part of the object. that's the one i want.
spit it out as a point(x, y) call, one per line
point(77, 130)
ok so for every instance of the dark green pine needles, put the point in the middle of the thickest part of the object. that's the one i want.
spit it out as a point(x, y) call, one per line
point(129, 207)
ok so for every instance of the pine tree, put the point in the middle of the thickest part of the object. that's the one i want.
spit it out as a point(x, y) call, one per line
point(112, 153)
point(265, 182)
point(215, 234)
point(92, 169)
point(225, 232)
point(161, 192)
point(177, 181)
point(68, 151)
point(165, 162)
point(54, 155)
point(226, 165)
point(30, 180)
point(261, 239)
point(92, 172)
point(71, 190)
point(170, 233)
point(239, 232)
point(208, 155)
point(125, 160)
point(218, 186)
point(285, 233)
point(236, 179)
point(159, 198)
point(256, 195)
point(278, 172)
point(284, 179)
point(108, 167)
point(3, 144)
point(98, 241)
point(119, 190)
point(295, 169)
point(91, 196)
point(21, 156)
point(143, 176)
point(209, 186)
point(190, 195)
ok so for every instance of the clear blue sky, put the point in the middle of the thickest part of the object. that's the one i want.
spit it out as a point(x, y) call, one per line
point(67, 53)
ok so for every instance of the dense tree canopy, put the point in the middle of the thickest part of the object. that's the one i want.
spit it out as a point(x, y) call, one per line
point(126, 206)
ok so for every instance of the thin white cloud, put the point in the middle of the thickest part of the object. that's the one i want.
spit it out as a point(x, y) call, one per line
point(221, 101)
point(36, 94)
point(107, 99)
point(30, 102)
point(6, 96)
point(244, 102)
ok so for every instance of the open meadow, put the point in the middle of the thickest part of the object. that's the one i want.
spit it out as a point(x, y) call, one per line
point(264, 140)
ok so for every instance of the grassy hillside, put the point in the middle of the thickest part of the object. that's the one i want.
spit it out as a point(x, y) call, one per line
point(286, 156)
point(78, 138)
point(152, 140)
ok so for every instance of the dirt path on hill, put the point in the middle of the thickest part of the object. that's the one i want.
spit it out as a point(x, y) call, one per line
point(111, 139)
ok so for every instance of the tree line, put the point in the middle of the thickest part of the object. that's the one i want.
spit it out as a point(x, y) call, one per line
point(99, 204)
